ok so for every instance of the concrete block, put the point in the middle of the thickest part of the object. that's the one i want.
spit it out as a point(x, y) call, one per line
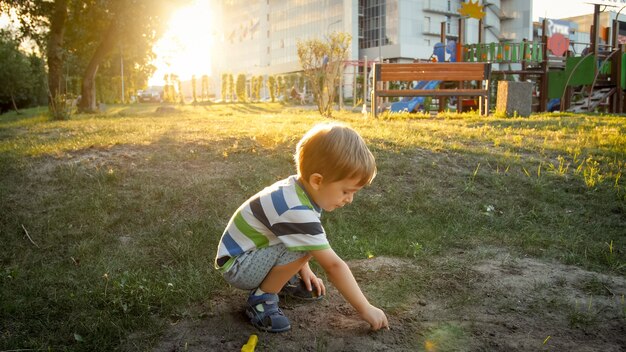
point(514, 97)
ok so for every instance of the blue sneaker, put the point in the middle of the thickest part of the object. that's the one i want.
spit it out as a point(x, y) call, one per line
point(295, 288)
point(264, 313)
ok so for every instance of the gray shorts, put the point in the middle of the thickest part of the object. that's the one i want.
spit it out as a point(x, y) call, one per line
point(251, 268)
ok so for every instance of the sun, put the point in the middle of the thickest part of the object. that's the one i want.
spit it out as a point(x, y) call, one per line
point(472, 10)
point(185, 48)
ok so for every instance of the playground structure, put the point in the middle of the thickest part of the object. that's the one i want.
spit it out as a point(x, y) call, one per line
point(431, 76)
point(593, 81)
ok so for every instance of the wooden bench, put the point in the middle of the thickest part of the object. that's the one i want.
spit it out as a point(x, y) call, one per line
point(444, 72)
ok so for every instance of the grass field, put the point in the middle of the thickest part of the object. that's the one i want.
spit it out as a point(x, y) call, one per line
point(110, 222)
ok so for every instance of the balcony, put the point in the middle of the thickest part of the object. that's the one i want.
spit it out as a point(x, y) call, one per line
point(507, 15)
point(441, 7)
point(435, 30)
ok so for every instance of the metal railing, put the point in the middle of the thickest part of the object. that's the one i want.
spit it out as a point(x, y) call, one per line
point(503, 52)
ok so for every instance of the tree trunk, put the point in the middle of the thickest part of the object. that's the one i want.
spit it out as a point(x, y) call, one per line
point(15, 105)
point(88, 90)
point(55, 50)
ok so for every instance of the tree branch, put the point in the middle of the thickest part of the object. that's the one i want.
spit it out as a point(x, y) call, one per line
point(27, 235)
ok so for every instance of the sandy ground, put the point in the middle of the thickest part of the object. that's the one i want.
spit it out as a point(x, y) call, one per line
point(499, 303)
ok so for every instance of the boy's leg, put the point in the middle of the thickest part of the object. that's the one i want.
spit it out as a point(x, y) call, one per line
point(267, 269)
point(280, 274)
point(251, 269)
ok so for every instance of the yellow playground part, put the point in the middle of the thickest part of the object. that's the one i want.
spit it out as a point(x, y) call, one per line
point(251, 345)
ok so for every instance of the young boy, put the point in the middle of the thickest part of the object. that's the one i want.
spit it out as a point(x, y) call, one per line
point(274, 234)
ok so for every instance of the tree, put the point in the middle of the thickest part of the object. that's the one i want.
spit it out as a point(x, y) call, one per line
point(258, 86)
point(271, 85)
point(15, 74)
point(193, 88)
point(253, 93)
point(224, 86)
point(241, 88)
point(204, 95)
point(231, 87)
point(280, 83)
point(90, 31)
point(117, 21)
point(33, 16)
point(181, 96)
point(322, 62)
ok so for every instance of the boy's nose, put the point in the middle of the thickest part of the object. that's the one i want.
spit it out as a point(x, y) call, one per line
point(349, 198)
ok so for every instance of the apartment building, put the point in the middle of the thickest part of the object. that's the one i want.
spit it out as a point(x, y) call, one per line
point(259, 37)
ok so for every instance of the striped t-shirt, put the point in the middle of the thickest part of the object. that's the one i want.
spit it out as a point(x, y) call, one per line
point(281, 213)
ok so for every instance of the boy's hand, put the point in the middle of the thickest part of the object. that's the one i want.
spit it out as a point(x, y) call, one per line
point(376, 317)
point(311, 281)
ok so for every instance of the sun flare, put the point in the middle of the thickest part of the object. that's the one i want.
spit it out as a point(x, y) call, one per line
point(185, 49)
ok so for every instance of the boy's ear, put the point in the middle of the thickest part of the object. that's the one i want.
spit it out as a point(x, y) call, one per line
point(315, 180)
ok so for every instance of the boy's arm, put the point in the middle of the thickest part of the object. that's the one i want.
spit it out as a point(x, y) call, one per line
point(340, 275)
point(311, 280)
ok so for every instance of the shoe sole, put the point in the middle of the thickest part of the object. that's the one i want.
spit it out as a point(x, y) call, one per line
point(252, 317)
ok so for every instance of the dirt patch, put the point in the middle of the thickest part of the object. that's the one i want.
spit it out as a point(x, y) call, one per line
point(504, 304)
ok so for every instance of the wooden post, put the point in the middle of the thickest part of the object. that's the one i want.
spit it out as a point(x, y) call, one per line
point(442, 34)
point(366, 81)
point(616, 73)
point(442, 100)
point(459, 58)
point(376, 73)
point(595, 32)
point(543, 92)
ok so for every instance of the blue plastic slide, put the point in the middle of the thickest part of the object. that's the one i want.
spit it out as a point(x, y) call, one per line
point(410, 104)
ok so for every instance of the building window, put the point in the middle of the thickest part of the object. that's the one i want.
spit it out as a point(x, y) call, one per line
point(379, 23)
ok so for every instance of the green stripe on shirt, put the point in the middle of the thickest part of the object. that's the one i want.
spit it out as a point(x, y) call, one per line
point(260, 241)
point(303, 197)
point(309, 248)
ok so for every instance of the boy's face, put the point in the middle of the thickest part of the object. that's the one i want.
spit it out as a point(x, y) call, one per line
point(330, 196)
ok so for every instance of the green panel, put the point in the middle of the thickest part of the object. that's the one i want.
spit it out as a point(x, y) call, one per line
point(479, 53)
point(538, 52)
point(584, 72)
point(471, 53)
point(556, 83)
point(515, 52)
point(526, 51)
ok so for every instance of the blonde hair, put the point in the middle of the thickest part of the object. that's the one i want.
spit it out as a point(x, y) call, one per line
point(336, 152)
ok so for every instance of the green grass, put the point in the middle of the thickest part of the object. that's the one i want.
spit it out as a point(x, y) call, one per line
point(126, 208)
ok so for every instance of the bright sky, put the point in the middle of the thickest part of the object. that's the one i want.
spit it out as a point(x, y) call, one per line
point(185, 49)
point(564, 8)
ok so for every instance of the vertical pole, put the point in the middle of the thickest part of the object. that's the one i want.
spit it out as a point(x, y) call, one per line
point(461, 41)
point(380, 36)
point(442, 33)
point(543, 93)
point(595, 31)
point(366, 81)
point(341, 86)
point(373, 98)
point(355, 71)
point(122, 71)
point(616, 73)
point(459, 58)
point(442, 37)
